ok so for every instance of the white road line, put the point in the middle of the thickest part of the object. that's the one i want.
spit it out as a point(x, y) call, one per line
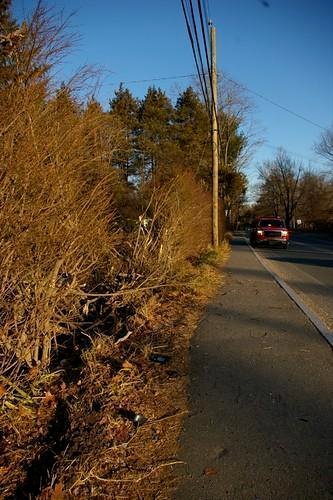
point(322, 328)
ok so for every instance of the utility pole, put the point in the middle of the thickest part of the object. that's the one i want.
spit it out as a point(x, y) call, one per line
point(215, 144)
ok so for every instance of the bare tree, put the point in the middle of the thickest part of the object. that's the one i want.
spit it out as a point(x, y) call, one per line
point(281, 186)
point(315, 209)
point(325, 146)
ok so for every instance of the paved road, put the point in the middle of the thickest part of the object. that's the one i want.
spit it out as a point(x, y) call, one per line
point(261, 396)
point(308, 268)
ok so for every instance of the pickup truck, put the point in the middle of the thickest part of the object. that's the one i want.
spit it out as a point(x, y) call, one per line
point(269, 231)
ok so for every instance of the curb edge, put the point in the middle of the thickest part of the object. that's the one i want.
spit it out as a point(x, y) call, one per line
point(324, 330)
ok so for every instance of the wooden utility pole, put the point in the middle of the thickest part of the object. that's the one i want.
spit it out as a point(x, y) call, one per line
point(215, 142)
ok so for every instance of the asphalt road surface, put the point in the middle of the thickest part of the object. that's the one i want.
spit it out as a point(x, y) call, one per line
point(261, 395)
point(307, 266)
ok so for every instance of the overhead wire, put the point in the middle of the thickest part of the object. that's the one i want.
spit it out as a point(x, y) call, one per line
point(205, 46)
point(147, 80)
point(261, 96)
point(207, 96)
point(199, 49)
point(194, 54)
point(270, 101)
point(206, 12)
point(267, 145)
point(214, 104)
point(283, 107)
point(293, 153)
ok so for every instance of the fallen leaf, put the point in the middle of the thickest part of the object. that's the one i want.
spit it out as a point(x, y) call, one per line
point(127, 365)
point(33, 372)
point(23, 411)
point(2, 391)
point(49, 399)
point(210, 471)
point(3, 470)
point(58, 492)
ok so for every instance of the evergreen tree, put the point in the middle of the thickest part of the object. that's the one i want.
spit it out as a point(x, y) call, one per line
point(9, 39)
point(155, 132)
point(7, 23)
point(192, 132)
point(124, 110)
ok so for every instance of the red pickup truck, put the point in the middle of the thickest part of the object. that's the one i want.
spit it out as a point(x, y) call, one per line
point(270, 231)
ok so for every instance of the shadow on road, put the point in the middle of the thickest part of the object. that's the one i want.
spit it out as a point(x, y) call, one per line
point(303, 260)
point(260, 395)
point(313, 288)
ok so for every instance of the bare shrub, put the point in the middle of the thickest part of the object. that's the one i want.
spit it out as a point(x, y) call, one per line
point(57, 219)
point(174, 228)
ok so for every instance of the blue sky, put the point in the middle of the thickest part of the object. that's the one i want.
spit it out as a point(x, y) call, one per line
point(283, 51)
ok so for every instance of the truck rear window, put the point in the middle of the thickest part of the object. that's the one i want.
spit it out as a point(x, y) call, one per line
point(271, 223)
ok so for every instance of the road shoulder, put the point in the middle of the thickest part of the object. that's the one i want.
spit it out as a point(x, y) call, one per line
point(304, 305)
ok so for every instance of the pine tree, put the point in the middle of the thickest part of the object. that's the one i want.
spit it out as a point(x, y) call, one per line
point(124, 110)
point(7, 23)
point(9, 39)
point(155, 132)
point(192, 132)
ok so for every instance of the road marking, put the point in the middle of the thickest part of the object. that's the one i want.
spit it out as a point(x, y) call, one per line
point(322, 328)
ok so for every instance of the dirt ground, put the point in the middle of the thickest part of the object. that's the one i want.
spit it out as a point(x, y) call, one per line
point(106, 424)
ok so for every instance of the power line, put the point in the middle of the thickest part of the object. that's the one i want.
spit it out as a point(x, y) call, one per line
point(287, 110)
point(284, 108)
point(203, 73)
point(198, 48)
point(206, 11)
point(192, 75)
point(280, 106)
point(209, 70)
point(277, 148)
point(147, 80)
point(205, 47)
point(194, 53)
point(213, 108)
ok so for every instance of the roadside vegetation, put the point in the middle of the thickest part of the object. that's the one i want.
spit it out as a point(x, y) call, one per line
point(105, 264)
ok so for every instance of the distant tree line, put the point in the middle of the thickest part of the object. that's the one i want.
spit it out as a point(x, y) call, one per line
point(289, 190)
